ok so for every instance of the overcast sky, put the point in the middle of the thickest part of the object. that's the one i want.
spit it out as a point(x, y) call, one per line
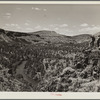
point(63, 18)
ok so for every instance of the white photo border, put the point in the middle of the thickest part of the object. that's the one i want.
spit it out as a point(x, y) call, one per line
point(49, 95)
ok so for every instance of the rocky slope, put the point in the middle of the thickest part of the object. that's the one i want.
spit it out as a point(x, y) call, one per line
point(45, 61)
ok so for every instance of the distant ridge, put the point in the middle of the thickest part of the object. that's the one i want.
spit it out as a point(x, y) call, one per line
point(43, 36)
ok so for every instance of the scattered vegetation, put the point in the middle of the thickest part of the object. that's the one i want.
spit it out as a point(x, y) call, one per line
point(59, 67)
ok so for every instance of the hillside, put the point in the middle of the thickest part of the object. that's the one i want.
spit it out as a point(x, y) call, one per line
point(82, 38)
point(47, 37)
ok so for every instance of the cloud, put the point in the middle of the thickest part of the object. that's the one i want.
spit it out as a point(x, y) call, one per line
point(7, 15)
point(32, 7)
point(38, 27)
point(44, 9)
point(12, 25)
point(63, 25)
point(7, 24)
point(36, 8)
point(39, 9)
point(90, 29)
point(54, 25)
point(56, 28)
point(64, 32)
point(51, 25)
point(26, 24)
point(84, 25)
point(45, 28)
point(59, 26)
point(29, 29)
point(93, 25)
point(16, 25)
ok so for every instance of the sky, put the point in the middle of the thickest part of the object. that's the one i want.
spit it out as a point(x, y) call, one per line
point(66, 19)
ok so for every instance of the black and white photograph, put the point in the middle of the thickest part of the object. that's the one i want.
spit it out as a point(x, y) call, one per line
point(50, 48)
